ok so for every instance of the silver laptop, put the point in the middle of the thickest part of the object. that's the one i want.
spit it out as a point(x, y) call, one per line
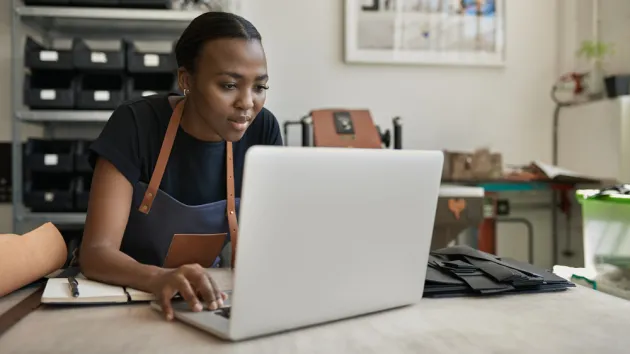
point(326, 234)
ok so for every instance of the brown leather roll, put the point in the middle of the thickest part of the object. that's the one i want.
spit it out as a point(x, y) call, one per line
point(26, 258)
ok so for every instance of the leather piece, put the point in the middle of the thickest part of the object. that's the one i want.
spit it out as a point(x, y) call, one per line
point(231, 203)
point(456, 206)
point(482, 284)
point(165, 153)
point(325, 134)
point(21, 310)
point(31, 256)
point(471, 213)
point(465, 251)
point(464, 271)
point(202, 249)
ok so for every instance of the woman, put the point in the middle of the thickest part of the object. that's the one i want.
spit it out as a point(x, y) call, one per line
point(164, 163)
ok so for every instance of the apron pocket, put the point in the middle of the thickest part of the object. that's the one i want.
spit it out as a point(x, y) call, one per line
point(202, 249)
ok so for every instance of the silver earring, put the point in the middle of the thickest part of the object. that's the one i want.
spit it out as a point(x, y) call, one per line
point(186, 92)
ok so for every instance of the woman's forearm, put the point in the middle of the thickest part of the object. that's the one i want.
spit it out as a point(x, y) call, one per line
point(114, 267)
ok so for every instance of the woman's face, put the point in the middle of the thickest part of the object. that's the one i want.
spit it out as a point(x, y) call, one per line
point(228, 87)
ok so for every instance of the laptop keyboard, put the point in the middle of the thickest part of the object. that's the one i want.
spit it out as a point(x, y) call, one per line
point(224, 312)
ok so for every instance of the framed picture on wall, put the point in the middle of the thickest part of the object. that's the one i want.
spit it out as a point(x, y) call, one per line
point(436, 32)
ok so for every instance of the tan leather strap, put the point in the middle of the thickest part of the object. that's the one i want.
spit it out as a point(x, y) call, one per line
point(165, 153)
point(160, 167)
point(231, 202)
point(21, 310)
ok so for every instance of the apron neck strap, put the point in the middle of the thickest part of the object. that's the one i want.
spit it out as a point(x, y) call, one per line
point(165, 153)
point(231, 201)
point(160, 167)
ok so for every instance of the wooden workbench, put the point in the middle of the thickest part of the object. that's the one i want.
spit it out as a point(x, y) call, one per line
point(579, 320)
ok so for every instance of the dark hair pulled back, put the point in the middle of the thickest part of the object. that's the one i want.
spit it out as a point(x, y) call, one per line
point(207, 27)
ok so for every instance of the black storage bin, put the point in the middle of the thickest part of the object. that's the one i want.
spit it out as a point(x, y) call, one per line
point(49, 192)
point(99, 91)
point(49, 90)
point(140, 85)
point(87, 59)
point(141, 62)
point(42, 155)
point(36, 56)
point(617, 85)
point(147, 4)
point(81, 161)
point(6, 180)
point(96, 3)
point(82, 193)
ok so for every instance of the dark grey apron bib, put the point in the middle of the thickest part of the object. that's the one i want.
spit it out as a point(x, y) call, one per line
point(155, 216)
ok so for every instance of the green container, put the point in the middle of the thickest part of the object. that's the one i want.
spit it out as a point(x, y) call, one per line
point(606, 229)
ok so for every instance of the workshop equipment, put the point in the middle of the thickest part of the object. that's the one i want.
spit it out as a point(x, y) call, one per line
point(345, 128)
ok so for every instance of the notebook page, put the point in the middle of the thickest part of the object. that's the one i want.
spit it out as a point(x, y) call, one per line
point(90, 292)
point(138, 295)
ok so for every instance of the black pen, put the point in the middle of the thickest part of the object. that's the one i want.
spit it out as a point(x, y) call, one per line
point(74, 286)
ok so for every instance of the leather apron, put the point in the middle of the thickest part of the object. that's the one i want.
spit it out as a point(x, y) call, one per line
point(156, 217)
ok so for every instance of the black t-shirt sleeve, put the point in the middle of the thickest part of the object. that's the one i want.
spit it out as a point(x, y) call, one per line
point(271, 129)
point(118, 143)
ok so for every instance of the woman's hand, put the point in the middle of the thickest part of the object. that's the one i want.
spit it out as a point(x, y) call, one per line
point(193, 283)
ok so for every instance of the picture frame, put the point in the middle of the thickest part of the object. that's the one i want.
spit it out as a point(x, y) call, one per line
point(429, 32)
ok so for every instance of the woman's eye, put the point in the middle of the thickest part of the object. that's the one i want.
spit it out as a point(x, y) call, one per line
point(258, 88)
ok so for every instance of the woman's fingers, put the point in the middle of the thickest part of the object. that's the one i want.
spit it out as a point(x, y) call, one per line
point(218, 295)
point(204, 287)
point(165, 302)
point(194, 285)
point(186, 291)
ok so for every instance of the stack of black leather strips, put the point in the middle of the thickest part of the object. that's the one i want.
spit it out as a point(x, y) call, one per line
point(464, 271)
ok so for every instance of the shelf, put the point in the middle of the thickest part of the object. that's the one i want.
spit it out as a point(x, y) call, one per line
point(150, 15)
point(53, 22)
point(95, 21)
point(64, 116)
point(55, 218)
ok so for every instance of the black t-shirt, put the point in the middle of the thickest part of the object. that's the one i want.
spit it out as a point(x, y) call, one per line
point(196, 170)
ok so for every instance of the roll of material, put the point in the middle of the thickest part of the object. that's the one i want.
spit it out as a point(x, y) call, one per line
point(27, 258)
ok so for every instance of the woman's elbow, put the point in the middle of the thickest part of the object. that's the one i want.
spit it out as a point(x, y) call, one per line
point(89, 257)
point(84, 261)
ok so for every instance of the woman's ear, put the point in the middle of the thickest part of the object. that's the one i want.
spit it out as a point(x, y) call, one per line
point(184, 79)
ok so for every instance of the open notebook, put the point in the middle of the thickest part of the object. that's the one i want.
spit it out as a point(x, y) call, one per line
point(57, 291)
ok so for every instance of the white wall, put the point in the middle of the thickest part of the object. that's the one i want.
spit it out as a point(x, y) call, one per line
point(443, 107)
point(507, 109)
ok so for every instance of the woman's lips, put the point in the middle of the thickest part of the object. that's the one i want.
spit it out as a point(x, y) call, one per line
point(239, 125)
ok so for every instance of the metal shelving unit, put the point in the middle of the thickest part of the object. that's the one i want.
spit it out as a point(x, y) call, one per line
point(64, 22)
point(106, 22)
point(63, 116)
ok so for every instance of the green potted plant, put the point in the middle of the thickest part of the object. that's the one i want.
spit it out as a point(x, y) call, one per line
point(595, 52)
